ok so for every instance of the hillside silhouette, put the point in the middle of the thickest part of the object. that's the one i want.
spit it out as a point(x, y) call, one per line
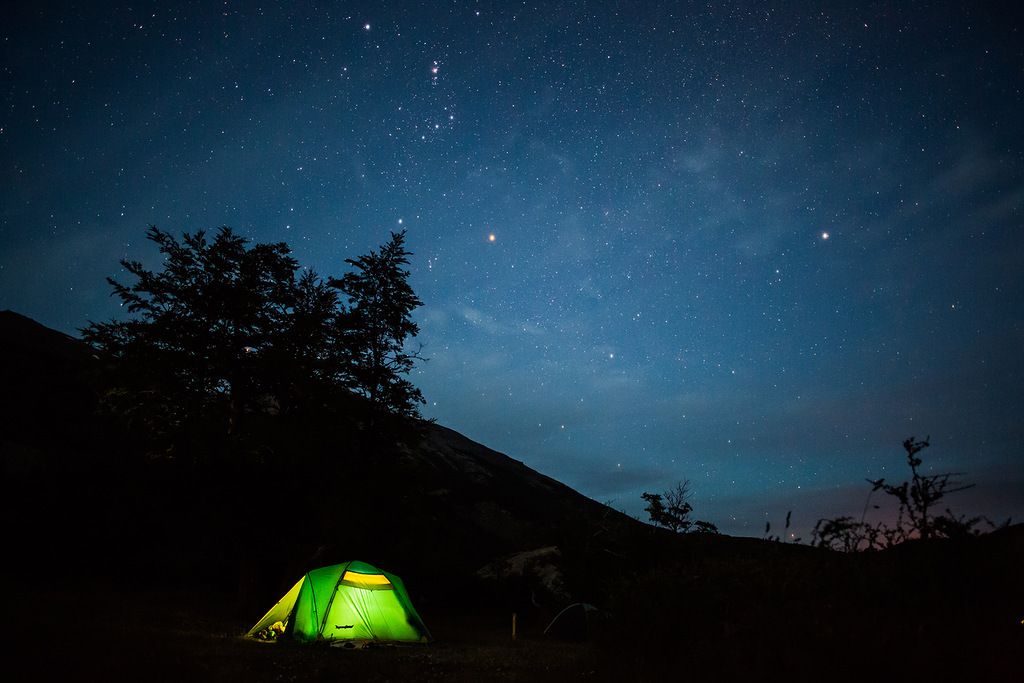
point(177, 560)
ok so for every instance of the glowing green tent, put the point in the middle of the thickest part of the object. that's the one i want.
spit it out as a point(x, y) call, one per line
point(353, 602)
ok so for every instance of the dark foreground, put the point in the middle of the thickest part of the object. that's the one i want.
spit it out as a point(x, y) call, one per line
point(952, 612)
point(101, 636)
point(124, 567)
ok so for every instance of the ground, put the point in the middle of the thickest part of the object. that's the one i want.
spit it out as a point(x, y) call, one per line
point(109, 632)
point(105, 634)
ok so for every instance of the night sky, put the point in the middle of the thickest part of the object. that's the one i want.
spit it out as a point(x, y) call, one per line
point(755, 245)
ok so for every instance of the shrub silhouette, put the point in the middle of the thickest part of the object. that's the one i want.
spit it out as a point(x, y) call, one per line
point(917, 498)
point(672, 510)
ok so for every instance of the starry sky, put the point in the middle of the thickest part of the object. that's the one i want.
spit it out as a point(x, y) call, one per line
point(755, 245)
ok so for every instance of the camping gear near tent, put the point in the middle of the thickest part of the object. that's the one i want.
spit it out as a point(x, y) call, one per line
point(352, 602)
point(571, 623)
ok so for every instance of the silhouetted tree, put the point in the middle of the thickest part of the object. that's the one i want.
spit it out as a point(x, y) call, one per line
point(672, 510)
point(918, 496)
point(226, 332)
point(378, 324)
point(915, 518)
point(204, 326)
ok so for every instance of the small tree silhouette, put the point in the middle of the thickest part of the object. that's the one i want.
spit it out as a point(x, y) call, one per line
point(915, 519)
point(672, 510)
point(921, 493)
